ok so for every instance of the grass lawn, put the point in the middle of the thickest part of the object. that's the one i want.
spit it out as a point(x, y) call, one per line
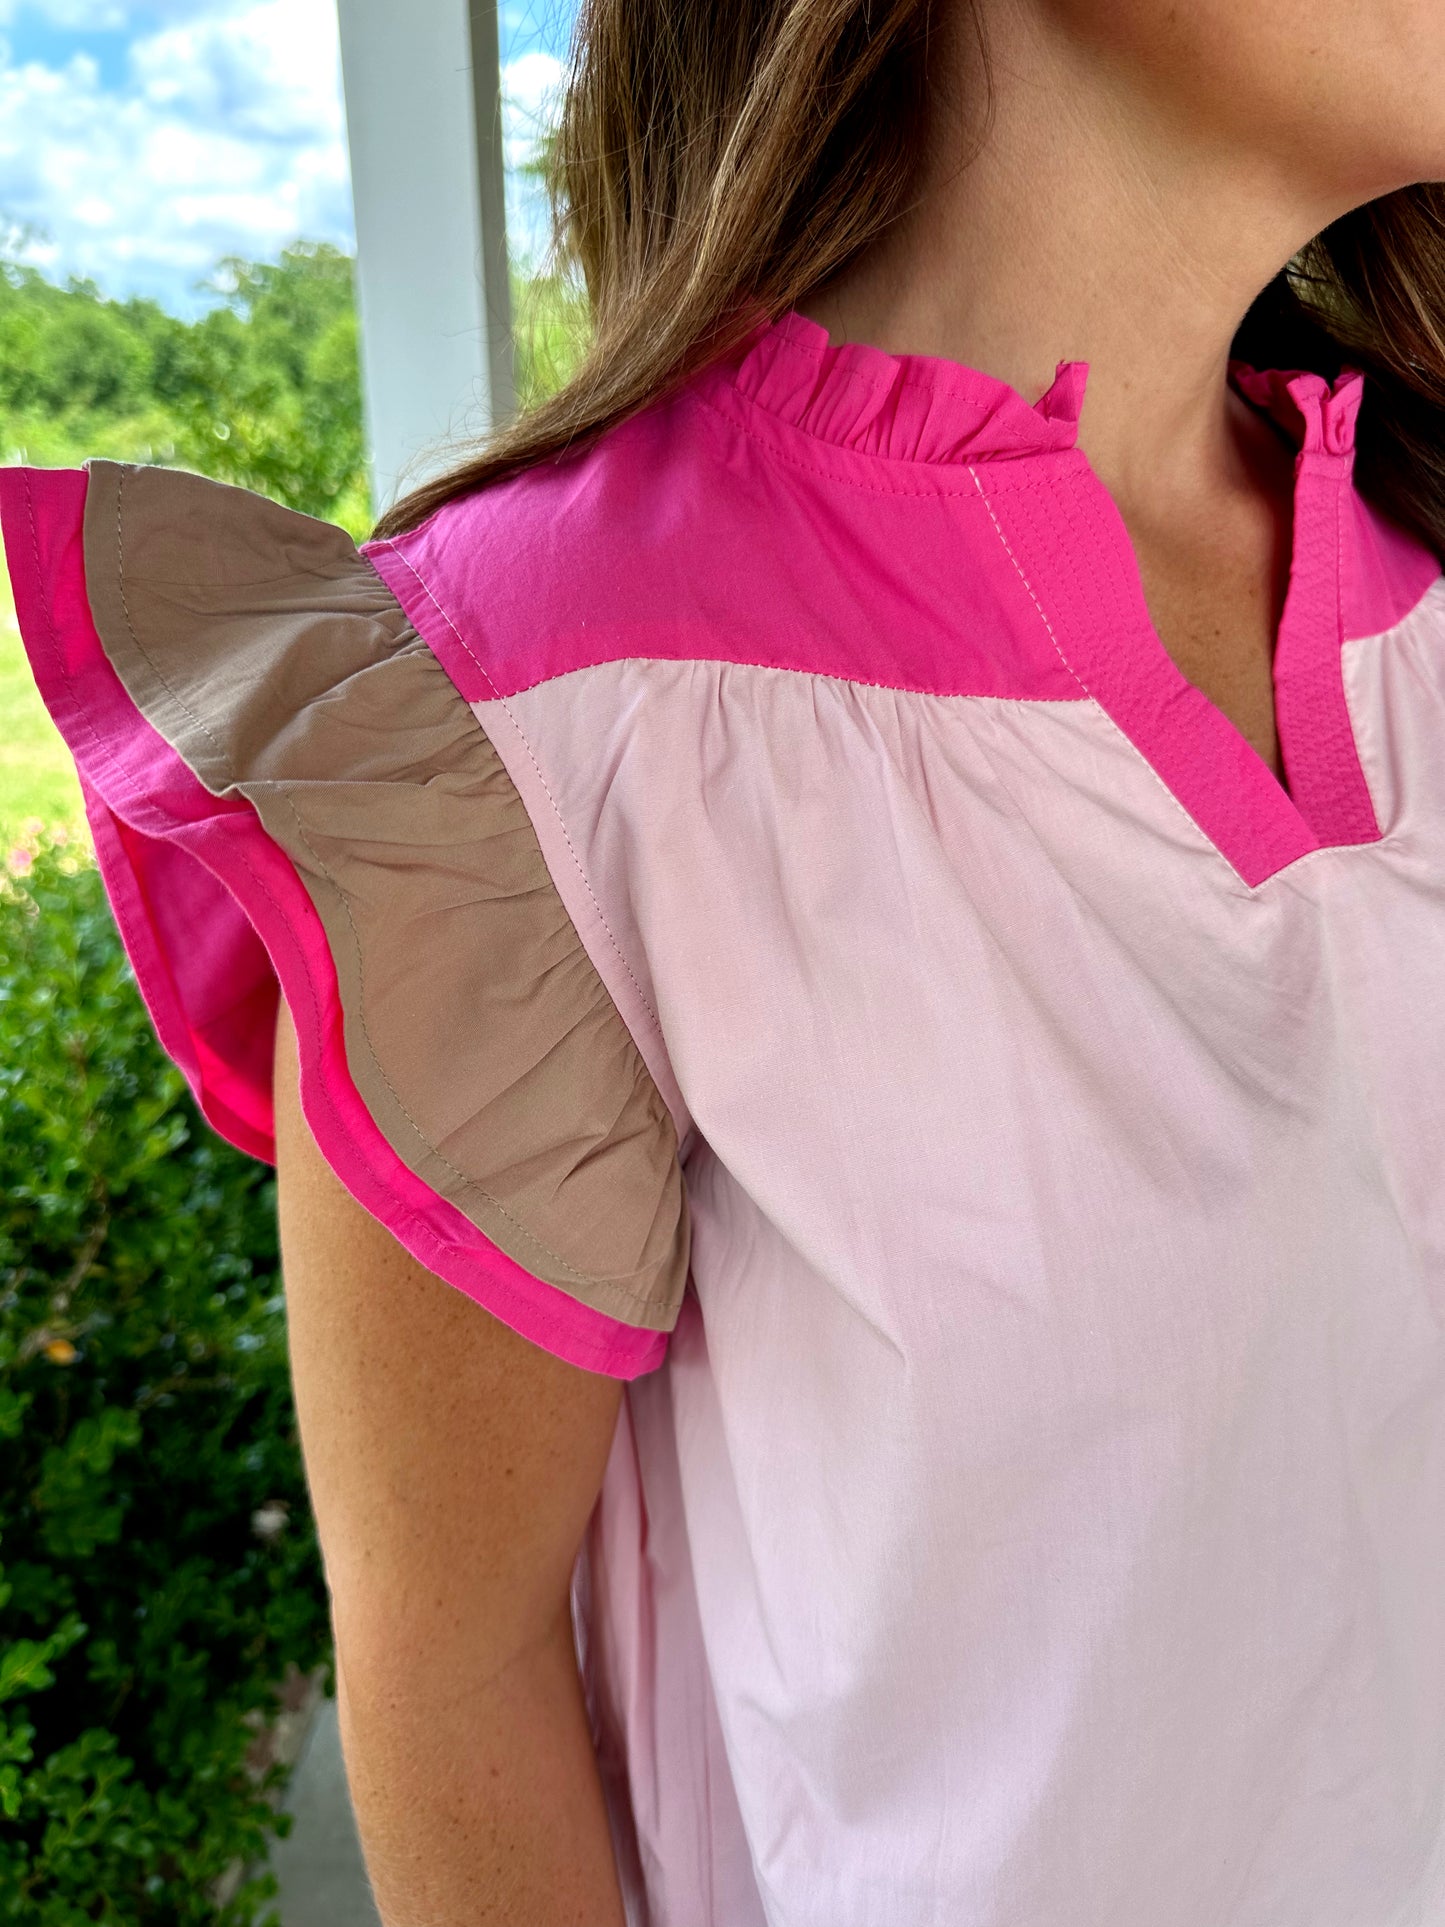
point(37, 777)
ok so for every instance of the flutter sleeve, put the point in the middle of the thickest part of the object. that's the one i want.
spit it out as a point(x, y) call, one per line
point(289, 797)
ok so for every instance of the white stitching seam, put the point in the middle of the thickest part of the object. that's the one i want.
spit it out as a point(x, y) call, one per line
point(1018, 566)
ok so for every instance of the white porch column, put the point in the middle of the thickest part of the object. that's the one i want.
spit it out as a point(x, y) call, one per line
point(423, 110)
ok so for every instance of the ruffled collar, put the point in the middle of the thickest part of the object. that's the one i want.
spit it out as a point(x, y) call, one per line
point(926, 408)
point(1320, 415)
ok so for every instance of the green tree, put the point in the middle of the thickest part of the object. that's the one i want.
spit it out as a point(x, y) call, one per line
point(272, 395)
point(263, 390)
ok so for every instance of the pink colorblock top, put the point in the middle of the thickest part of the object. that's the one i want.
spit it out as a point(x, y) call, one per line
point(765, 915)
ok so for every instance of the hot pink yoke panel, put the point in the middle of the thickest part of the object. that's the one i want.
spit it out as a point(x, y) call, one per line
point(682, 539)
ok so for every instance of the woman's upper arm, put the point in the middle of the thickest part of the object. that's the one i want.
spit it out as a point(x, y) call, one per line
point(452, 1464)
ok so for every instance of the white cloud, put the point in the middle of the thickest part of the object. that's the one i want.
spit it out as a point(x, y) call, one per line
point(270, 71)
point(531, 95)
point(227, 138)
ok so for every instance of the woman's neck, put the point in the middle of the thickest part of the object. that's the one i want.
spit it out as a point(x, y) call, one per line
point(1093, 223)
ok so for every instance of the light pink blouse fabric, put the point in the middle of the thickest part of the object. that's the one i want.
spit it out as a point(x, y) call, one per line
point(1038, 1515)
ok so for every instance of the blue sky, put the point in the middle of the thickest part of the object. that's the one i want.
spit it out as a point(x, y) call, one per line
point(140, 140)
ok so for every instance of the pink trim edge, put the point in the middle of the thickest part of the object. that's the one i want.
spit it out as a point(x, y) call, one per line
point(172, 854)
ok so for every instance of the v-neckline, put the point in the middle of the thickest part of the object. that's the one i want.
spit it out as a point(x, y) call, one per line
point(1064, 559)
point(1084, 568)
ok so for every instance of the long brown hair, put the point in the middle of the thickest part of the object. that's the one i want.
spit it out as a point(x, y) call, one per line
point(717, 159)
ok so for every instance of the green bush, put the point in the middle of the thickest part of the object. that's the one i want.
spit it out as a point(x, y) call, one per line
point(160, 1572)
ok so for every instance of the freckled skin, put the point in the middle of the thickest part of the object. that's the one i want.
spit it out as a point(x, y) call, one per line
point(1352, 90)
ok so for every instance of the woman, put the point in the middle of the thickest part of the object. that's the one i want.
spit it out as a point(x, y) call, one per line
point(860, 902)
